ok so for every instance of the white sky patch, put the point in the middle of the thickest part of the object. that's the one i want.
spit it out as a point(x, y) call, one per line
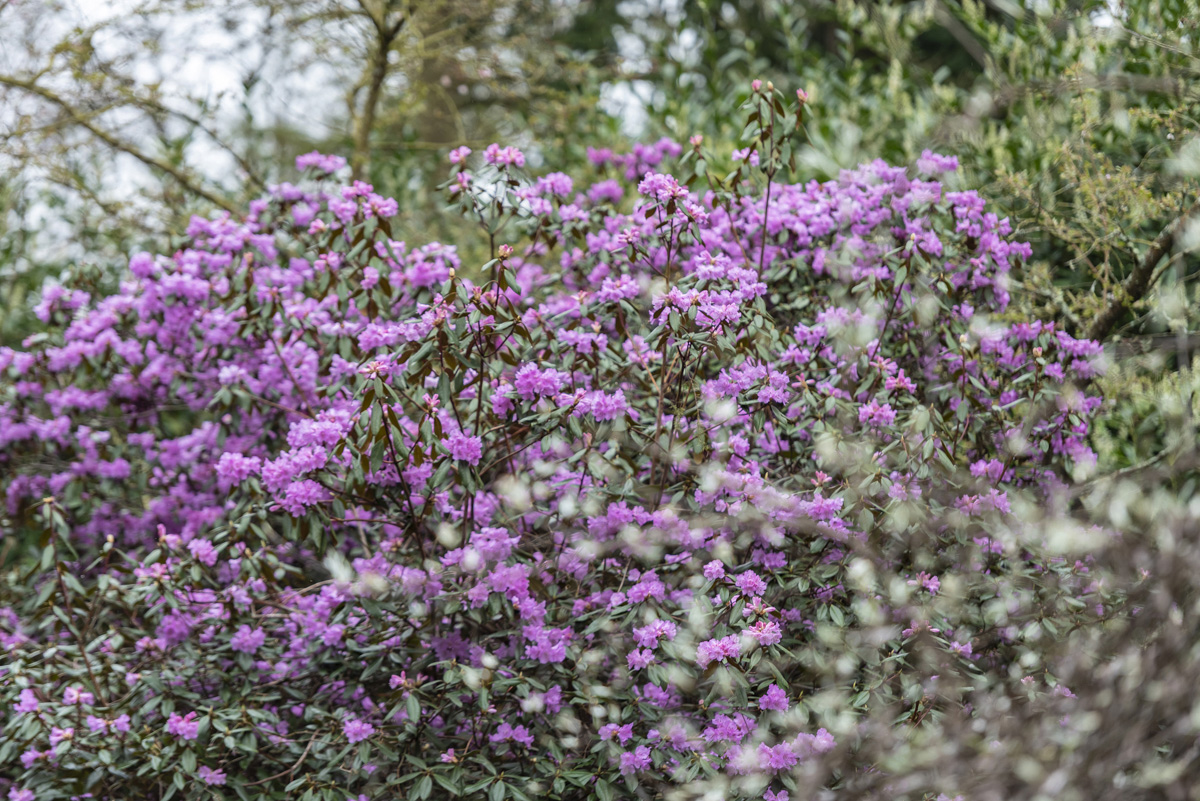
point(629, 102)
point(202, 57)
point(1110, 17)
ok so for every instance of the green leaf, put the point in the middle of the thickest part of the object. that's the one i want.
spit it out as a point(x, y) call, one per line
point(413, 707)
point(445, 782)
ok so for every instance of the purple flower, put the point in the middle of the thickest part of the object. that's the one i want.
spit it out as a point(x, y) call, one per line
point(210, 776)
point(731, 728)
point(247, 640)
point(532, 382)
point(20, 794)
point(776, 758)
point(57, 735)
point(932, 163)
point(876, 415)
point(746, 154)
point(926, 581)
point(807, 745)
point(28, 702)
point(185, 727)
point(506, 732)
point(556, 183)
point(357, 730)
point(503, 156)
point(141, 265)
point(767, 632)
point(648, 636)
point(74, 695)
point(718, 650)
point(714, 570)
point(603, 406)
point(327, 164)
point(234, 468)
point(549, 645)
point(750, 584)
point(899, 381)
point(459, 154)
point(662, 188)
point(639, 659)
point(774, 699)
point(464, 448)
point(299, 495)
point(203, 551)
point(635, 760)
point(623, 733)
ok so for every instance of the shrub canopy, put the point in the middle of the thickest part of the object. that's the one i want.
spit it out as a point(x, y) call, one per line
point(688, 491)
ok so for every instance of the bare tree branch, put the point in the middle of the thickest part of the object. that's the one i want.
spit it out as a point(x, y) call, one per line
point(112, 141)
point(377, 67)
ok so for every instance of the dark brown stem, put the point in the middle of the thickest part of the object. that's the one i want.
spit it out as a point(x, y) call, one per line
point(364, 122)
point(1139, 282)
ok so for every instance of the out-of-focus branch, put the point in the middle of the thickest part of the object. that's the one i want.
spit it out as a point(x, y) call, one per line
point(84, 121)
point(200, 125)
point(962, 35)
point(373, 80)
point(1006, 96)
point(1138, 282)
point(1055, 297)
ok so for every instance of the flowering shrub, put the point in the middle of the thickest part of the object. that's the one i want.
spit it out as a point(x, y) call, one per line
point(681, 493)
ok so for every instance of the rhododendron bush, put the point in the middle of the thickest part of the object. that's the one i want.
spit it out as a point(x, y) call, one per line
point(688, 491)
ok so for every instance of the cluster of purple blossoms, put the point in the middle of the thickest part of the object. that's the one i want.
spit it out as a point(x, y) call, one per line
point(695, 421)
point(464, 447)
point(247, 640)
point(185, 727)
point(357, 730)
point(718, 650)
point(504, 156)
point(325, 163)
